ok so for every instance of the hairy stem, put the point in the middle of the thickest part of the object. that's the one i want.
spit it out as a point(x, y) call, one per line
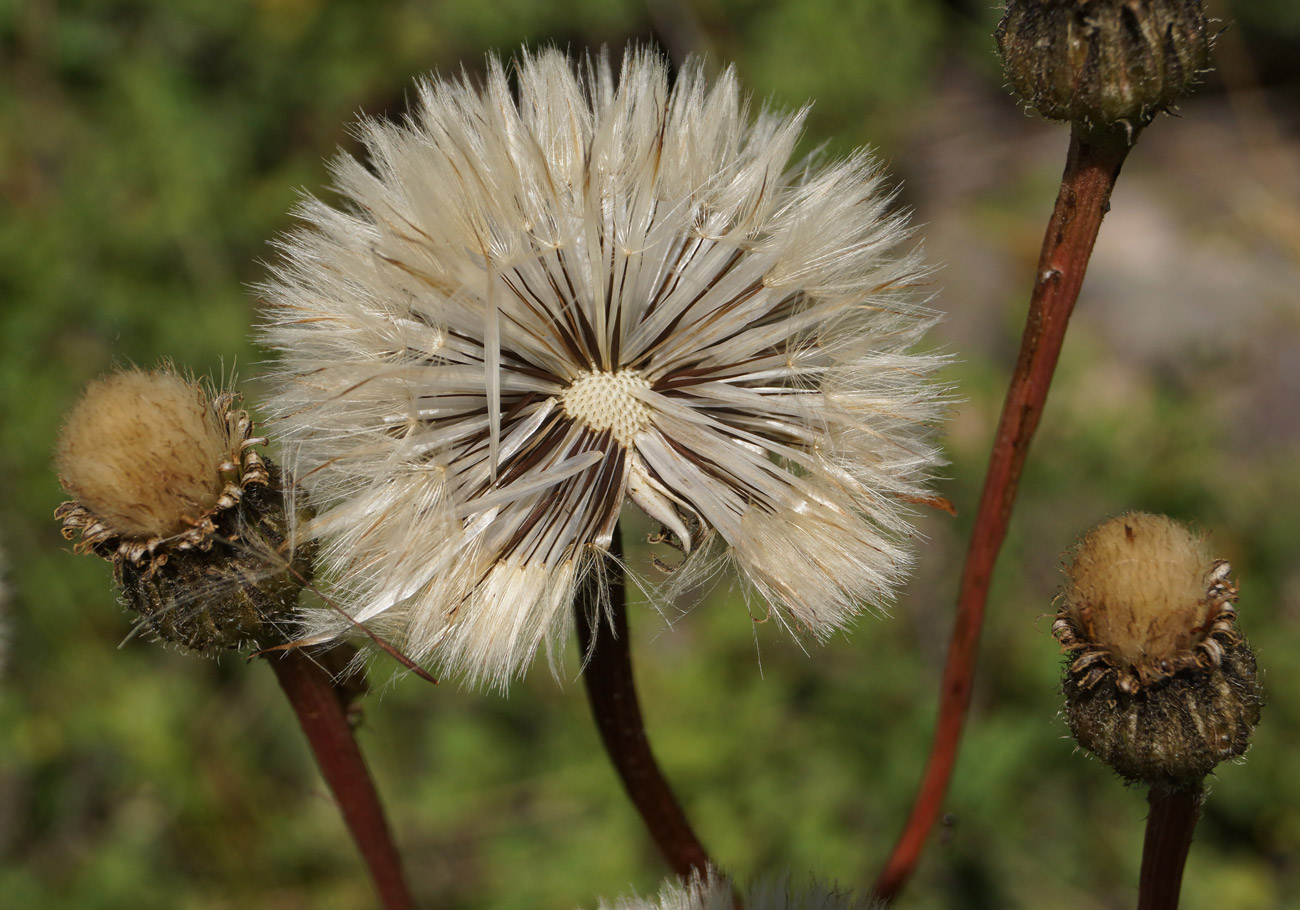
point(612, 695)
point(1092, 165)
point(322, 709)
point(1170, 824)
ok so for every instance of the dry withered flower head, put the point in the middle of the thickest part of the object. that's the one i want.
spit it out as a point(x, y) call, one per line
point(171, 489)
point(1159, 684)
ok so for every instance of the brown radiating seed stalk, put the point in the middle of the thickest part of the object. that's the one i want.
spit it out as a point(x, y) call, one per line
point(611, 693)
point(1091, 168)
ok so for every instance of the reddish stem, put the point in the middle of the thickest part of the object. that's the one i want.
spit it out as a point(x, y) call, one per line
point(612, 695)
point(1091, 167)
point(322, 711)
point(1170, 824)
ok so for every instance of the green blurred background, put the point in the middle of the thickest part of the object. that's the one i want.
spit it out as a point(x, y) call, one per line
point(149, 152)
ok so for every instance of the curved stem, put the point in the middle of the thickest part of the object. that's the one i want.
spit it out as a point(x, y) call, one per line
point(1170, 825)
point(1091, 167)
point(612, 695)
point(322, 710)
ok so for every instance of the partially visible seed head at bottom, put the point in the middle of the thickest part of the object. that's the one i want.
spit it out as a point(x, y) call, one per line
point(715, 890)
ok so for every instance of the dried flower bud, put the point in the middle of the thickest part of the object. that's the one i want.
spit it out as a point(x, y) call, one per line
point(1103, 61)
point(170, 489)
point(1160, 685)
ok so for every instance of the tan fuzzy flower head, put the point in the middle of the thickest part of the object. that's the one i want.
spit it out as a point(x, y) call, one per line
point(168, 486)
point(1137, 585)
point(544, 299)
point(1160, 684)
point(142, 451)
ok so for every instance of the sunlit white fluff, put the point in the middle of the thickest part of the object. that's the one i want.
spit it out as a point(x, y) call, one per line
point(715, 891)
point(540, 301)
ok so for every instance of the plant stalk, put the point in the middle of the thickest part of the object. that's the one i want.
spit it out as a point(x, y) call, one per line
point(611, 692)
point(1091, 168)
point(322, 710)
point(1170, 825)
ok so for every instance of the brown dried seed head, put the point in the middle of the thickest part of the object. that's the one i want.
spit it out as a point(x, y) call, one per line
point(1103, 61)
point(199, 526)
point(1137, 587)
point(1159, 685)
point(143, 452)
point(1176, 731)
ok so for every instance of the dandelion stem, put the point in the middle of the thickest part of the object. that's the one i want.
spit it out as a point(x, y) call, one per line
point(322, 709)
point(1091, 168)
point(1170, 824)
point(612, 695)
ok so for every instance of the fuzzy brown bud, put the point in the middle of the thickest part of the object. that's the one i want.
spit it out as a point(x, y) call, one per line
point(1160, 685)
point(171, 490)
point(1101, 62)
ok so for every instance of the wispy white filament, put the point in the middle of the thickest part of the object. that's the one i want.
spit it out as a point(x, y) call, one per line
point(715, 891)
point(543, 300)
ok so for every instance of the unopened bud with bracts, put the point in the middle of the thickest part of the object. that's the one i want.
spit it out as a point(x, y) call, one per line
point(1159, 685)
point(1100, 62)
point(170, 488)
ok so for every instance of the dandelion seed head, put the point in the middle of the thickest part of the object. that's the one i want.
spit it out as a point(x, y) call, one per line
point(575, 287)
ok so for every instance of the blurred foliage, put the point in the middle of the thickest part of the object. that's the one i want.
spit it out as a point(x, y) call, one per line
point(148, 152)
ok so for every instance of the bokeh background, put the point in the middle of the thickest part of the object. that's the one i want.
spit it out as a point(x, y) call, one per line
point(149, 152)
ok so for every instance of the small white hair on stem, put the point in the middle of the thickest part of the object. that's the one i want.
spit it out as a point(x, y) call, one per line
point(564, 290)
